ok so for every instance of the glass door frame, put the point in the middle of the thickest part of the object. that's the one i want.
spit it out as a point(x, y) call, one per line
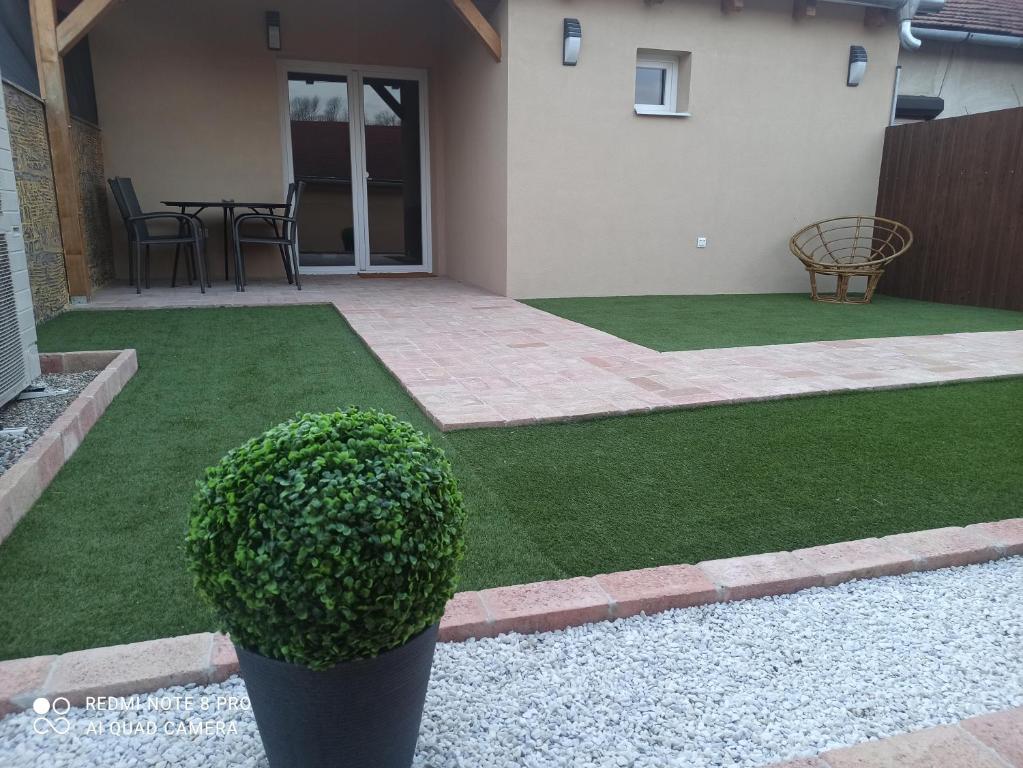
point(353, 74)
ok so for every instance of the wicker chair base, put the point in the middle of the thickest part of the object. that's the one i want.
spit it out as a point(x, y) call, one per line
point(841, 294)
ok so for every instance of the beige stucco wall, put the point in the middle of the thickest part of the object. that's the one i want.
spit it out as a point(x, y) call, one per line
point(602, 201)
point(189, 100)
point(545, 182)
point(970, 78)
point(476, 155)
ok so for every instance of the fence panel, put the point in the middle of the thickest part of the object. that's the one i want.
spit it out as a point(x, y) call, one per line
point(958, 184)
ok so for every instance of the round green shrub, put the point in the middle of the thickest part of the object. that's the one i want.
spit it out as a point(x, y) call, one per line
point(331, 537)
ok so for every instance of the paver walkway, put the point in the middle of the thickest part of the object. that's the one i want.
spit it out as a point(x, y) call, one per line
point(987, 741)
point(470, 358)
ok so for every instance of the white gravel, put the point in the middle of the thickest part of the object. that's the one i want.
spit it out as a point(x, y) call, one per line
point(38, 413)
point(738, 684)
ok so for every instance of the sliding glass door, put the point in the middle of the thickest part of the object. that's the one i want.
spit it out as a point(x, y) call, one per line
point(393, 162)
point(358, 140)
point(321, 156)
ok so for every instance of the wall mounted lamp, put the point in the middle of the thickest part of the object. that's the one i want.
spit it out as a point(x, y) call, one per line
point(857, 65)
point(573, 42)
point(273, 30)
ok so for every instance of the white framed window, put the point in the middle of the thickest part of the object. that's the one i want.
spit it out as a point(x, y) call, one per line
point(662, 83)
point(656, 83)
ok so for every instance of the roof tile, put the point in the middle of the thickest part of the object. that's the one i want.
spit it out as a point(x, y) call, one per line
point(997, 17)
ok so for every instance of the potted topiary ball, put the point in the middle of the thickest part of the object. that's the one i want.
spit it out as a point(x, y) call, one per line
point(328, 548)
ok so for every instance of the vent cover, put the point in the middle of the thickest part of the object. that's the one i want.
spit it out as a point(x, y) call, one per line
point(12, 357)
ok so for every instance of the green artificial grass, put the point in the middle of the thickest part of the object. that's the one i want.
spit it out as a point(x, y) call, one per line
point(674, 323)
point(99, 559)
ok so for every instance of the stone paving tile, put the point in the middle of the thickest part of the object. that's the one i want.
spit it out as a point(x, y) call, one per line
point(1000, 731)
point(223, 659)
point(651, 590)
point(472, 359)
point(860, 559)
point(941, 747)
point(465, 616)
point(546, 606)
point(1007, 535)
point(944, 547)
point(772, 573)
point(121, 670)
point(21, 681)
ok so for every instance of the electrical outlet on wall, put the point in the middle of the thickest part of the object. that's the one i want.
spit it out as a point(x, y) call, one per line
point(701, 242)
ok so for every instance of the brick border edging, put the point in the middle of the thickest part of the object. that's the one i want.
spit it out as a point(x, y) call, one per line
point(24, 483)
point(994, 740)
point(539, 607)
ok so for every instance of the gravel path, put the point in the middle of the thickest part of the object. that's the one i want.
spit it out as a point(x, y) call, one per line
point(736, 684)
point(37, 414)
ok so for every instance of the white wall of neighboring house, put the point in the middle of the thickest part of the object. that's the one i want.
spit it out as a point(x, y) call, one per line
point(11, 230)
point(970, 78)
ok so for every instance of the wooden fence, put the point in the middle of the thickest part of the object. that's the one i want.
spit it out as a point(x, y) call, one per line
point(958, 184)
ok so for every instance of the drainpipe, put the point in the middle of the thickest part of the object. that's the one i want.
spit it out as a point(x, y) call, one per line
point(906, 14)
point(977, 38)
point(895, 95)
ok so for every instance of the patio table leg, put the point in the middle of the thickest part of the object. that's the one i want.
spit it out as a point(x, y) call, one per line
point(228, 213)
point(177, 256)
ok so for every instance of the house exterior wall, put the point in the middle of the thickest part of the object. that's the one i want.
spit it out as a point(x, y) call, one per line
point(192, 110)
point(476, 155)
point(33, 171)
point(87, 141)
point(544, 181)
point(970, 78)
point(602, 201)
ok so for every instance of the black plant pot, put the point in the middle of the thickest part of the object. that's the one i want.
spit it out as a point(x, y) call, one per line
point(359, 714)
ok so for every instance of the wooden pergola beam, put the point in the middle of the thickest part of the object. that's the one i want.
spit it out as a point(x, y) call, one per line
point(79, 22)
point(478, 23)
point(58, 128)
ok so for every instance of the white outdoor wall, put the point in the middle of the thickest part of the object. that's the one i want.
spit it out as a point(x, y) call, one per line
point(10, 226)
point(604, 202)
point(476, 155)
point(970, 78)
point(189, 100)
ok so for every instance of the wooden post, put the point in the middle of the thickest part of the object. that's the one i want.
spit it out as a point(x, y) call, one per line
point(58, 128)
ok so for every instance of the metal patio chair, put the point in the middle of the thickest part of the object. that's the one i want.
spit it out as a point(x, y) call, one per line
point(190, 234)
point(285, 237)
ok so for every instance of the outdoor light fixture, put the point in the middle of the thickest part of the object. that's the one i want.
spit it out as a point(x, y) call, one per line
point(573, 42)
point(857, 65)
point(273, 30)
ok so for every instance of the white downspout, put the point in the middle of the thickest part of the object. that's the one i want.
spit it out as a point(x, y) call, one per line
point(909, 42)
point(906, 13)
point(895, 95)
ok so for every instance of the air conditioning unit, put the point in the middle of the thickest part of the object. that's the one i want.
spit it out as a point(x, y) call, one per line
point(19, 357)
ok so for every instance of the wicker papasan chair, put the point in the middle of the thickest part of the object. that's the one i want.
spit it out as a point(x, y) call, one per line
point(846, 247)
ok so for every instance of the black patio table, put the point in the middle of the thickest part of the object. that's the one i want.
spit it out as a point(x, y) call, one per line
point(228, 206)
